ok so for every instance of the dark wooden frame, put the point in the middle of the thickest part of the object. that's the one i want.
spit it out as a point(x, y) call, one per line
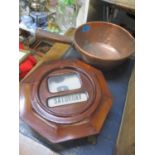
point(82, 122)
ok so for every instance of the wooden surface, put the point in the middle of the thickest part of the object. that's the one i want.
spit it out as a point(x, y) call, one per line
point(44, 35)
point(126, 138)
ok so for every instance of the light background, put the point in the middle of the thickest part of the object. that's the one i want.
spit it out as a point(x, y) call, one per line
point(145, 78)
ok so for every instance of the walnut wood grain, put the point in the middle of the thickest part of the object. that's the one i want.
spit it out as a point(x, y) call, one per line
point(61, 125)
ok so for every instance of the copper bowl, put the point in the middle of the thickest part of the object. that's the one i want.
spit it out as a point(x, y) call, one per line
point(105, 45)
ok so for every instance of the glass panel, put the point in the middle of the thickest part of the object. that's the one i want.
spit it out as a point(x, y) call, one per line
point(67, 99)
point(64, 82)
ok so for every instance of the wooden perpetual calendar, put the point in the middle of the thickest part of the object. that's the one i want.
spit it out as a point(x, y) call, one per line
point(65, 100)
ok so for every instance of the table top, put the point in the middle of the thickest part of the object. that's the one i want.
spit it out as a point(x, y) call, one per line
point(117, 80)
point(129, 4)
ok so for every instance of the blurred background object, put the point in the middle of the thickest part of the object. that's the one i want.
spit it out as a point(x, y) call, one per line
point(59, 15)
point(121, 12)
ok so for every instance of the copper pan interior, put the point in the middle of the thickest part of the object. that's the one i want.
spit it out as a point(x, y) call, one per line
point(104, 41)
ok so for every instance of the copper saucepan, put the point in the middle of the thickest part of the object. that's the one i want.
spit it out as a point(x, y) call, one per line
point(101, 44)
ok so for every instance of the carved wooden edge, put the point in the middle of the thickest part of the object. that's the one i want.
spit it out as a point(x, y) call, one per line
point(55, 53)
